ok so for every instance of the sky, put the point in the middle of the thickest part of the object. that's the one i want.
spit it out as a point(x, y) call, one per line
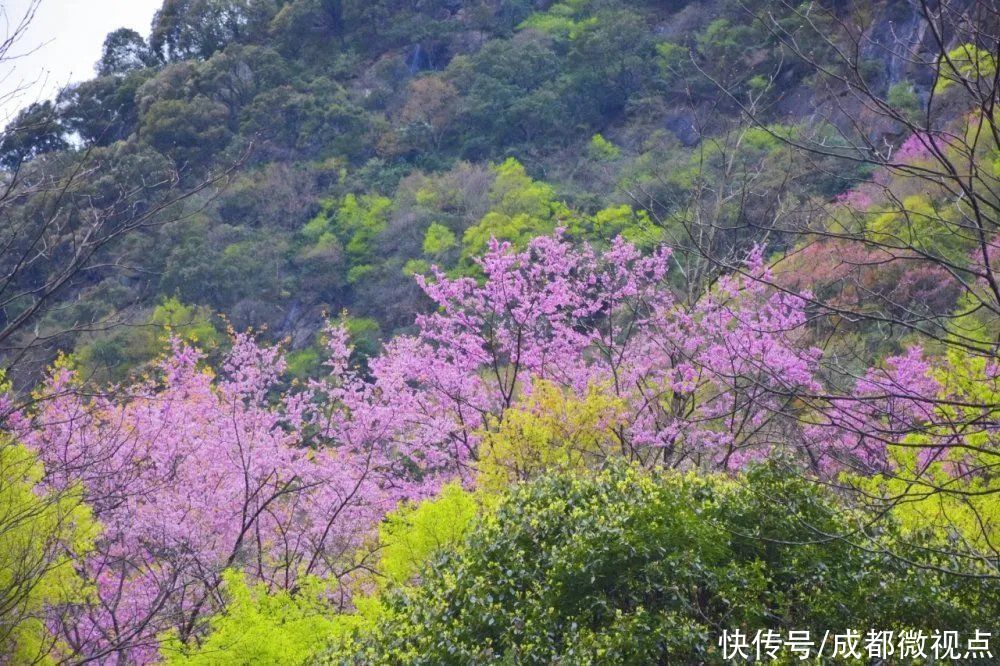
point(61, 44)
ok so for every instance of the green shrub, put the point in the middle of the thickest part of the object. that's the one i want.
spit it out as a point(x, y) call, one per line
point(632, 568)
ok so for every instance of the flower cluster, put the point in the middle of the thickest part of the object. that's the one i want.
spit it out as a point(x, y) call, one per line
point(191, 474)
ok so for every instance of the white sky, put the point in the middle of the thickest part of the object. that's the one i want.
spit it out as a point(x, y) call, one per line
point(62, 44)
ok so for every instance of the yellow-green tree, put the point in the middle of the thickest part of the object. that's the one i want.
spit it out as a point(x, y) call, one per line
point(550, 430)
point(944, 477)
point(290, 628)
point(522, 208)
point(42, 534)
point(258, 626)
point(412, 535)
point(111, 356)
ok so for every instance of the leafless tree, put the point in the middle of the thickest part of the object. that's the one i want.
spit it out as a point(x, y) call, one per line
point(12, 30)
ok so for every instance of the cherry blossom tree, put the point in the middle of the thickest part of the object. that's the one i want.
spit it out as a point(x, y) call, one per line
point(706, 386)
point(190, 475)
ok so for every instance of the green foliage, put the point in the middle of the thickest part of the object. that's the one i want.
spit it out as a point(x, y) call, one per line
point(260, 627)
point(42, 535)
point(365, 334)
point(198, 28)
point(726, 42)
point(124, 51)
point(192, 324)
point(415, 267)
point(438, 239)
point(311, 118)
point(522, 208)
point(354, 223)
point(547, 431)
point(508, 93)
point(303, 364)
point(103, 110)
point(608, 223)
point(33, 132)
point(413, 535)
point(428, 116)
point(514, 193)
point(342, 240)
point(965, 63)
point(630, 568)
point(287, 628)
point(563, 19)
point(928, 494)
point(903, 98)
point(921, 222)
point(188, 131)
point(603, 150)
point(671, 57)
point(225, 265)
point(111, 356)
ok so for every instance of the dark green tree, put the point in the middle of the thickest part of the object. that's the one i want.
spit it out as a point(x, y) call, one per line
point(103, 110)
point(125, 50)
point(34, 131)
point(198, 28)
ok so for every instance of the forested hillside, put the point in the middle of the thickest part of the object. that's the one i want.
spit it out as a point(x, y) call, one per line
point(503, 331)
point(360, 143)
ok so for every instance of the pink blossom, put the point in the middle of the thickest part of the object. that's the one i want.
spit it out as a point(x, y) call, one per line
point(190, 475)
point(887, 404)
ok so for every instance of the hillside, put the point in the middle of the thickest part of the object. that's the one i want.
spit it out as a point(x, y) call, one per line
point(507, 331)
point(360, 143)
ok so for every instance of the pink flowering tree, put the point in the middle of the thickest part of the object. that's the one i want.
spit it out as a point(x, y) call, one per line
point(190, 475)
point(887, 405)
point(711, 386)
